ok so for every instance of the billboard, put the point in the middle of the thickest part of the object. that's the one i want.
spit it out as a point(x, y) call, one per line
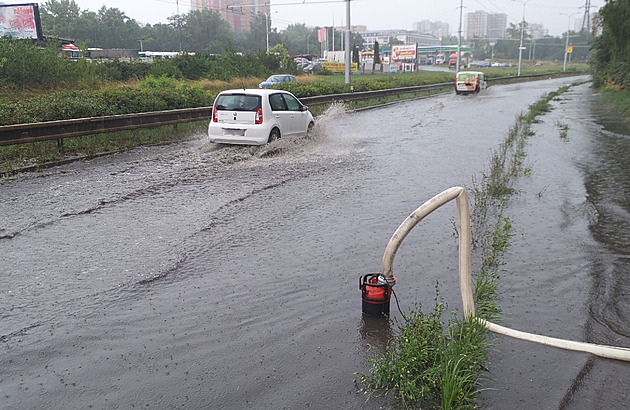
point(20, 21)
point(404, 52)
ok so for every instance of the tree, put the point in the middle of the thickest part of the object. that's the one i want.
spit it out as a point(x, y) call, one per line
point(611, 50)
point(377, 53)
point(256, 38)
point(514, 31)
point(205, 30)
point(616, 23)
point(299, 39)
point(59, 18)
point(355, 54)
point(285, 61)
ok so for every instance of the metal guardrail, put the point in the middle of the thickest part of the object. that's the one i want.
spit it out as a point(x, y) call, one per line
point(58, 130)
point(364, 95)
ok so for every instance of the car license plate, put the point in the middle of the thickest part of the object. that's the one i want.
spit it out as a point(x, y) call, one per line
point(233, 132)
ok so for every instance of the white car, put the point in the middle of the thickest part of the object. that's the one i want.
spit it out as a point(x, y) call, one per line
point(257, 116)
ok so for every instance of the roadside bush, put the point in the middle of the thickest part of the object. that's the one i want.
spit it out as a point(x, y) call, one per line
point(151, 95)
point(165, 67)
point(25, 65)
point(193, 67)
point(117, 70)
point(54, 106)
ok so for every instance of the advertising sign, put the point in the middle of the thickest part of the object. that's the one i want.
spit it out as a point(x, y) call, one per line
point(20, 21)
point(339, 67)
point(404, 52)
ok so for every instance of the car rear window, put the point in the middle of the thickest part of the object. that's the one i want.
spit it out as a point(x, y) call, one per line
point(238, 102)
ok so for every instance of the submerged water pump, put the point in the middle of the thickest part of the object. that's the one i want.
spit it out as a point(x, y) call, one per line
point(376, 292)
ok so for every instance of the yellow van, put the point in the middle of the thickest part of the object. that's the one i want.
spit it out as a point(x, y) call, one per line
point(468, 82)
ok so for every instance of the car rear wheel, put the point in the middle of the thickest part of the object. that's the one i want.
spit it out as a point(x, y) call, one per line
point(274, 135)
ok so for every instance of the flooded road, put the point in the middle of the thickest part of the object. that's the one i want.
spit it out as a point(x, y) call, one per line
point(227, 277)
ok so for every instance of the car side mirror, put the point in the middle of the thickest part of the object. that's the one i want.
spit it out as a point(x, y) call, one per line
point(305, 108)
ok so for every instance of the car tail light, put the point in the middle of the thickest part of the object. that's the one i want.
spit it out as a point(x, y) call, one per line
point(214, 114)
point(259, 117)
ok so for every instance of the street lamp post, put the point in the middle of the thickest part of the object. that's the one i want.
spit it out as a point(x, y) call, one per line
point(267, 29)
point(267, 14)
point(566, 46)
point(459, 36)
point(520, 47)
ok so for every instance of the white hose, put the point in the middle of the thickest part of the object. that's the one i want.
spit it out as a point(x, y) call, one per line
point(465, 276)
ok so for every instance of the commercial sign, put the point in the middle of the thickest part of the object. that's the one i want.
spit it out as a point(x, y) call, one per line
point(20, 21)
point(339, 67)
point(404, 52)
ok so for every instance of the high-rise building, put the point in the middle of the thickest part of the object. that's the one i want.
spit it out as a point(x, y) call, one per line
point(437, 28)
point(476, 24)
point(537, 31)
point(489, 26)
point(238, 13)
point(497, 22)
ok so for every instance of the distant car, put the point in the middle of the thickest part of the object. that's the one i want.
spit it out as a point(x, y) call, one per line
point(256, 117)
point(468, 82)
point(277, 79)
point(312, 67)
point(480, 64)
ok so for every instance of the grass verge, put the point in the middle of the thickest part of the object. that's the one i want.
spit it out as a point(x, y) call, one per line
point(438, 364)
point(619, 101)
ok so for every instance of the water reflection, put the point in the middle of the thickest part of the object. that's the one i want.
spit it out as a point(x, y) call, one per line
point(376, 332)
point(607, 182)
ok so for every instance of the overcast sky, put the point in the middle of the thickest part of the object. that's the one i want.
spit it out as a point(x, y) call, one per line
point(375, 14)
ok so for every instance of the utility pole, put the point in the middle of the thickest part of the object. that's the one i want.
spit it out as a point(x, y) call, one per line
point(587, 17)
point(348, 48)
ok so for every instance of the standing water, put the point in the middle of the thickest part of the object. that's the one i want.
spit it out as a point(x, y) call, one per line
point(205, 276)
point(568, 268)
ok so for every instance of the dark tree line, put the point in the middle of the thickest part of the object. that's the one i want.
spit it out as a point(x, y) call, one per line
point(197, 31)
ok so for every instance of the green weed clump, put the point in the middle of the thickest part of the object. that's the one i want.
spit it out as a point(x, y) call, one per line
point(430, 364)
